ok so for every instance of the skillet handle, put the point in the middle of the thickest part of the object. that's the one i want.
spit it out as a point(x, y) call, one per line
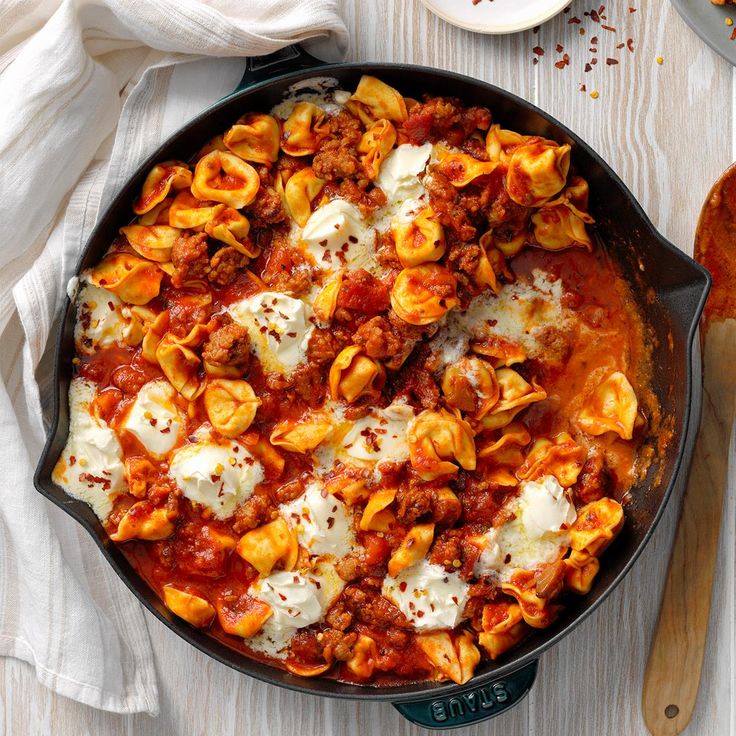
point(289, 59)
point(471, 704)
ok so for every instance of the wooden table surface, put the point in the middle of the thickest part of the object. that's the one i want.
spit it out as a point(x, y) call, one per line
point(667, 130)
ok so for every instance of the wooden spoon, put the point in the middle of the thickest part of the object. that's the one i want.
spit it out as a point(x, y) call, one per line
point(675, 662)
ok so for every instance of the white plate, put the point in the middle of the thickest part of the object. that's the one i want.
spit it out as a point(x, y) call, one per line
point(496, 16)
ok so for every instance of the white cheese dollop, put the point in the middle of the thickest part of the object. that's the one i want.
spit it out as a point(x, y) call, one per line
point(321, 521)
point(380, 436)
point(519, 314)
point(296, 600)
point(278, 328)
point(91, 465)
point(154, 419)
point(101, 320)
point(218, 476)
point(336, 237)
point(537, 535)
point(400, 171)
point(428, 596)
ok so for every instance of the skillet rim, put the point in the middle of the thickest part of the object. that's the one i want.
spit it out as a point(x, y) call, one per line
point(699, 284)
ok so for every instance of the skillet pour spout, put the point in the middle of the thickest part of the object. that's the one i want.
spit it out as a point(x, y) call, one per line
point(669, 286)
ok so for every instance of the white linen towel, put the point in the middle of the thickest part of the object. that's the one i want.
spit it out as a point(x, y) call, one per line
point(89, 88)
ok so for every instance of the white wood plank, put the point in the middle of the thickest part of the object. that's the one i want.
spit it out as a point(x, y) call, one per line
point(666, 130)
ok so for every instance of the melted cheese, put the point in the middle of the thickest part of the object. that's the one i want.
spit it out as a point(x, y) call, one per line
point(91, 465)
point(537, 535)
point(336, 237)
point(218, 476)
point(102, 320)
point(428, 596)
point(379, 437)
point(321, 522)
point(278, 328)
point(154, 419)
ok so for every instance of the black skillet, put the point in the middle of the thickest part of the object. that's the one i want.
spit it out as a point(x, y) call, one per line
point(669, 286)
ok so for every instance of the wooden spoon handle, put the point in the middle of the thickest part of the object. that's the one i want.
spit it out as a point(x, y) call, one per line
point(675, 661)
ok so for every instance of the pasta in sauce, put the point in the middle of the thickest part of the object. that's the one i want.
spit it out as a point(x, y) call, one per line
point(357, 391)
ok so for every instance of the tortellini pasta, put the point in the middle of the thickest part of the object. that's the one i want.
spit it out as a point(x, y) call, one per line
point(299, 192)
point(420, 239)
point(304, 129)
point(180, 363)
point(254, 137)
point(244, 617)
point(354, 375)
point(194, 609)
point(375, 100)
point(439, 442)
point(562, 222)
point(362, 662)
point(537, 612)
point(377, 517)
point(560, 456)
point(471, 386)
point(154, 242)
point(143, 522)
point(503, 628)
point(424, 294)
point(268, 545)
point(612, 407)
point(516, 394)
point(230, 227)
point(500, 143)
point(302, 435)
point(461, 168)
point(537, 170)
point(135, 280)
point(414, 546)
point(186, 211)
point(223, 177)
point(454, 656)
point(231, 406)
point(375, 145)
point(160, 181)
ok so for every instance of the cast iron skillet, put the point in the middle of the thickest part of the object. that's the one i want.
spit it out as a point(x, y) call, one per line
point(670, 287)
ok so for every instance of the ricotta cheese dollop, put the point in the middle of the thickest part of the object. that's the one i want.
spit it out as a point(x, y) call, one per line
point(400, 171)
point(218, 476)
point(278, 327)
point(537, 535)
point(380, 436)
point(91, 466)
point(154, 419)
point(295, 602)
point(321, 521)
point(428, 595)
point(100, 320)
point(336, 237)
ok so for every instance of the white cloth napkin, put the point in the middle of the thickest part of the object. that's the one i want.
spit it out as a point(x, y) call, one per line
point(88, 89)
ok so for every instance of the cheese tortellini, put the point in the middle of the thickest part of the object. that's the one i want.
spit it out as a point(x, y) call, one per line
point(439, 442)
point(424, 294)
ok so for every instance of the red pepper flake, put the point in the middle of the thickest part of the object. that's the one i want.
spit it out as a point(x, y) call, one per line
point(632, 10)
point(594, 40)
point(566, 10)
point(733, 34)
point(630, 44)
point(611, 62)
point(575, 20)
point(538, 50)
point(608, 28)
point(559, 48)
point(620, 45)
point(593, 15)
point(535, 61)
point(535, 29)
point(582, 88)
point(588, 67)
point(594, 61)
point(581, 31)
